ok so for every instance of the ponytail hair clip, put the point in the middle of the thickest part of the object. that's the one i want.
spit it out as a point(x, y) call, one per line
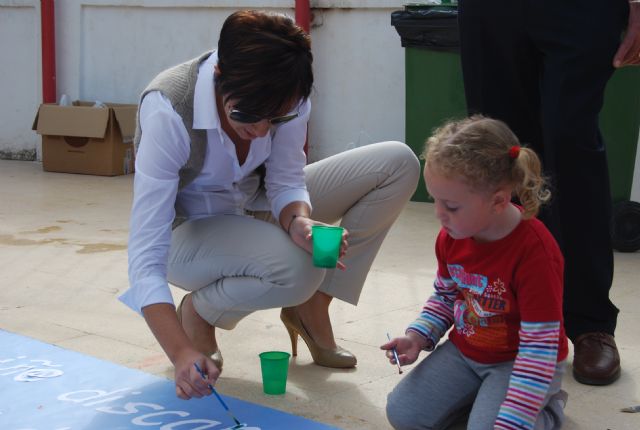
point(514, 151)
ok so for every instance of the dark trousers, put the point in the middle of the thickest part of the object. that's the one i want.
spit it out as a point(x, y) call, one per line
point(542, 66)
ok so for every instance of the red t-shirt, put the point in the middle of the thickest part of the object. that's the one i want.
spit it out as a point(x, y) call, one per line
point(500, 283)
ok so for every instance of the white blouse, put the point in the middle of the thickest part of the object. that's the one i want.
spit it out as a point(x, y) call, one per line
point(223, 186)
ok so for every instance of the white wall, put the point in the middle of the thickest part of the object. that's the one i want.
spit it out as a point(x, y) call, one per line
point(109, 50)
point(20, 78)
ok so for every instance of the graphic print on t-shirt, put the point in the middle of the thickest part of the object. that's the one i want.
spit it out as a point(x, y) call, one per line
point(479, 312)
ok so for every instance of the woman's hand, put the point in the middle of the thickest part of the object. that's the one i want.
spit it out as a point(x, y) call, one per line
point(407, 347)
point(300, 233)
point(189, 382)
point(163, 322)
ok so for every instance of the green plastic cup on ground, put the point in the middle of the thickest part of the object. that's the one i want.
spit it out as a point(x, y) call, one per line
point(326, 245)
point(275, 366)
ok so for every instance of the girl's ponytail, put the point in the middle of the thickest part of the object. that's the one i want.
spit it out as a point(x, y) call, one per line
point(529, 184)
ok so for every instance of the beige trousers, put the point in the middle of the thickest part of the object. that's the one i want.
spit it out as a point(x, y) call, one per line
point(239, 264)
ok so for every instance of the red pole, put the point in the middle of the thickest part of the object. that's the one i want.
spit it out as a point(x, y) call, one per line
point(48, 30)
point(303, 19)
point(303, 14)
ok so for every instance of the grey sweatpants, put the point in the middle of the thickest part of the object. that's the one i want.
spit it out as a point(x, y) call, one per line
point(239, 264)
point(446, 387)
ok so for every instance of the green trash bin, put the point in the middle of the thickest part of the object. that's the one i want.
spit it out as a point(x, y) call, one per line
point(619, 123)
point(433, 74)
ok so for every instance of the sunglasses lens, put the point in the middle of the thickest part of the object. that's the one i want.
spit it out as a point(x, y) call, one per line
point(283, 119)
point(248, 118)
point(245, 118)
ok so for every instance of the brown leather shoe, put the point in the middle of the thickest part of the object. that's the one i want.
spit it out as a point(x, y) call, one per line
point(595, 359)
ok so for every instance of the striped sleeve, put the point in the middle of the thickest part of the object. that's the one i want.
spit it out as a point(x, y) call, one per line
point(531, 376)
point(437, 313)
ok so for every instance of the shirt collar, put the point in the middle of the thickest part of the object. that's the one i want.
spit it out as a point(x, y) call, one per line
point(205, 111)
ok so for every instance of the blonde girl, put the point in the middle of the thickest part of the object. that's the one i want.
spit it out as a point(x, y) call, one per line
point(498, 284)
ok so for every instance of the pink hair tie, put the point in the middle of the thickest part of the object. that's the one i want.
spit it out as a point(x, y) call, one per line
point(514, 151)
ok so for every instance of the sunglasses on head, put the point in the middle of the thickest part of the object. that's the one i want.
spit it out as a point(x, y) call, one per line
point(248, 118)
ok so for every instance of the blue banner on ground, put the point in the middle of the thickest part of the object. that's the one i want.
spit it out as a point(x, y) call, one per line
point(44, 387)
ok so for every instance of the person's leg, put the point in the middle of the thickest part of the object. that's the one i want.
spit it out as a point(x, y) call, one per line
point(578, 64)
point(500, 65)
point(575, 76)
point(434, 393)
point(365, 189)
point(552, 415)
point(235, 265)
point(493, 391)
point(503, 82)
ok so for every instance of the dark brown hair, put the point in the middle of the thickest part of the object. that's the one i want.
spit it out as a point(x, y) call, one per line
point(264, 61)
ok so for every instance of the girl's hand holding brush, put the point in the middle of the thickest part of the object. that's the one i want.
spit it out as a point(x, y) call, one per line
point(407, 348)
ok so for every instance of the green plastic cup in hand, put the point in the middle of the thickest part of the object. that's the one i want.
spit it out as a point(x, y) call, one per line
point(275, 366)
point(326, 245)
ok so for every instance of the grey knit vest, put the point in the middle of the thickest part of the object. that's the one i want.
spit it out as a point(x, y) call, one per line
point(178, 85)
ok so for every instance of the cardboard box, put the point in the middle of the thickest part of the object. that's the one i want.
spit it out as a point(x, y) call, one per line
point(86, 139)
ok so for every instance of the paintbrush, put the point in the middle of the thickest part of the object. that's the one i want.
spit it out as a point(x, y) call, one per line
point(224, 405)
point(395, 355)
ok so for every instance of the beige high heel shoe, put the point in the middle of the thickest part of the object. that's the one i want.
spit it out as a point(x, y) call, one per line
point(336, 358)
point(216, 355)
